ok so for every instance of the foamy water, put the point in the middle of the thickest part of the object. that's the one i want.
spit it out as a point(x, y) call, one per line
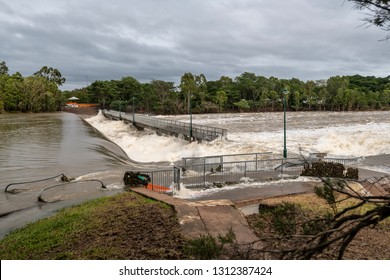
point(191, 193)
point(338, 134)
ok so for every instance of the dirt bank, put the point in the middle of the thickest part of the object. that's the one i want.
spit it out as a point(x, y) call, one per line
point(84, 111)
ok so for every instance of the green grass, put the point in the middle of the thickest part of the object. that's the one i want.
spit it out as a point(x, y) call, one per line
point(53, 237)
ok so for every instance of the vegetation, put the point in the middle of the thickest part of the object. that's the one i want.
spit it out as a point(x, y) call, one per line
point(247, 92)
point(336, 222)
point(325, 225)
point(125, 226)
point(378, 12)
point(37, 93)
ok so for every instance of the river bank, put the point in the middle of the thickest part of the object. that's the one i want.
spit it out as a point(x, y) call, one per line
point(84, 112)
point(132, 227)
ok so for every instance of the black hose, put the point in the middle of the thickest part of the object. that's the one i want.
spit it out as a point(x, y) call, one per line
point(62, 184)
point(63, 178)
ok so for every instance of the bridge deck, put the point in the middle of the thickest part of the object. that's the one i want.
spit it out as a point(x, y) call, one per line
point(170, 127)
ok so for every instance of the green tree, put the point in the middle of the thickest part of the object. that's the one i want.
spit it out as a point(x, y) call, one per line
point(335, 86)
point(309, 95)
point(274, 98)
point(101, 92)
point(229, 87)
point(246, 84)
point(3, 68)
point(200, 93)
point(242, 105)
point(220, 99)
point(188, 88)
point(10, 91)
point(164, 94)
point(127, 88)
point(52, 74)
point(384, 97)
point(82, 94)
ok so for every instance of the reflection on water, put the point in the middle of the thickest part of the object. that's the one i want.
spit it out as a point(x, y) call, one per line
point(36, 146)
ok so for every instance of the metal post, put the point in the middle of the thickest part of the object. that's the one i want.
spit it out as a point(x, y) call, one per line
point(133, 112)
point(204, 175)
point(190, 117)
point(285, 92)
point(285, 148)
point(120, 108)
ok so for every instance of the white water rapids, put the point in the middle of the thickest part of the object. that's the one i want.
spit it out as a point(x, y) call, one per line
point(340, 134)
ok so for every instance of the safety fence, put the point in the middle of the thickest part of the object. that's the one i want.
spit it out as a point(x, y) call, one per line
point(219, 174)
point(347, 162)
point(171, 127)
point(164, 181)
point(217, 171)
point(187, 161)
point(213, 171)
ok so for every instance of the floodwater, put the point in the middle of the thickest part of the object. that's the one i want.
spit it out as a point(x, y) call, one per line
point(36, 146)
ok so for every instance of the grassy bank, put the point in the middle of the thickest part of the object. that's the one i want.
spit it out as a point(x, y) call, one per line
point(125, 226)
point(130, 226)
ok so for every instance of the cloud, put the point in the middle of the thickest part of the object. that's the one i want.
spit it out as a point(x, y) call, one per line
point(91, 40)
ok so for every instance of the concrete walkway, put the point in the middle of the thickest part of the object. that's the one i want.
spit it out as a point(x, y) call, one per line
point(220, 212)
point(210, 217)
point(224, 211)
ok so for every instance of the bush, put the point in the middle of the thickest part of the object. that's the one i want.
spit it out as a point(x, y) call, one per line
point(329, 169)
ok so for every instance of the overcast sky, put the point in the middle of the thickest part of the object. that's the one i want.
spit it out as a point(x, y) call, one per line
point(90, 40)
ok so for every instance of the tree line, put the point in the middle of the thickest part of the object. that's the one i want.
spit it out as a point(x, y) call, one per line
point(36, 93)
point(247, 92)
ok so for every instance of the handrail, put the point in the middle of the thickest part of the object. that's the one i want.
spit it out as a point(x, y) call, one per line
point(173, 126)
point(68, 183)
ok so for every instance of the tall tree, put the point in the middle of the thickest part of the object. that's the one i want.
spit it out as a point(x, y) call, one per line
point(129, 87)
point(220, 99)
point(162, 92)
point(3, 68)
point(188, 87)
point(52, 74)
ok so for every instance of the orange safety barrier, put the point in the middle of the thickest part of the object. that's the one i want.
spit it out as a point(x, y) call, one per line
point(75, 104)
point(157, 188)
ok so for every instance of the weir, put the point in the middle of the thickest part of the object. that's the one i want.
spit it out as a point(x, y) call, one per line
point(188, 131)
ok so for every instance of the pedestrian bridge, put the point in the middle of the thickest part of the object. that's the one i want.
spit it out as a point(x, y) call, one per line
point(188, 131)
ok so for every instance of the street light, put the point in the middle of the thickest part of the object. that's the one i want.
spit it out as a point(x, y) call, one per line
point(133, 111)
point(190, 111)
point(285, 92)
point(120, 108)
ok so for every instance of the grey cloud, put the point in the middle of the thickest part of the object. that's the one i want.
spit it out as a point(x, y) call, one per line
point(88, 40)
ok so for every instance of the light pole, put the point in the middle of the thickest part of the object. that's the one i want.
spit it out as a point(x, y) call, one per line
point(133, 111)
point(120, 108)
point(190, 111)
point(285, 92)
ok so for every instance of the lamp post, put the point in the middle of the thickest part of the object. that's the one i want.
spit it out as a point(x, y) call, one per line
point(120, 108)
point(285, 92)
point(133, 111)
point(190, 111)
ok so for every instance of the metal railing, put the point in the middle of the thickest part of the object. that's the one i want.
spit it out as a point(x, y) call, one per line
point(347, 162)
point(164, 181)
point(217, 174)
point(201, 132)
point(225, 158)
